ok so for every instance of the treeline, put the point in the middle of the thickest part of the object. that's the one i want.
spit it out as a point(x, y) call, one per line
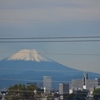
point(22, 92)
point(32, 92)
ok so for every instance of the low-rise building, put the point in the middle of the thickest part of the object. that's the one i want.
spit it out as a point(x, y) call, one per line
point(63, 88)
point(85, 83)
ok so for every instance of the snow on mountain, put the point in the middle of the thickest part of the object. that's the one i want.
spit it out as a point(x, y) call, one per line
point(28, 55)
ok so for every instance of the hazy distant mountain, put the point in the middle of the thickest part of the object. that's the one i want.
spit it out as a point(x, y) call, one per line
point(29, 66)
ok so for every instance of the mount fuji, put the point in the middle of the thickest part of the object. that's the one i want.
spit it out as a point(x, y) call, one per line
point(28, 55)
point(29, 66)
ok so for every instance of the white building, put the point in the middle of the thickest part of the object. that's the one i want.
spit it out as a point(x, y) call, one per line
point(47, 82)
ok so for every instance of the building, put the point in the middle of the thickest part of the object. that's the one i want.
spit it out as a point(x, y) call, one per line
point(85, 83)
point(63, 88)
point(76, 84)
point(47, 82)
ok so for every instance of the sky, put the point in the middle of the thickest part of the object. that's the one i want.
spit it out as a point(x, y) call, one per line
point(53, 18)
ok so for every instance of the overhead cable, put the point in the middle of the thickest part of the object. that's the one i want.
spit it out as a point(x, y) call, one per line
point(50, 41)
point(55, 37)
point(42, 70)
point(55, 53)
point(32, 80)
point(39, 20)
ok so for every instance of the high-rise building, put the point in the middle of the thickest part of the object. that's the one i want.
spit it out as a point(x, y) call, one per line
point(47, 82)
point(84, 80)
point(63, 88)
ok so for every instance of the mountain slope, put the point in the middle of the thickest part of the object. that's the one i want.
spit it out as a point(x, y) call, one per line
point(28, 66)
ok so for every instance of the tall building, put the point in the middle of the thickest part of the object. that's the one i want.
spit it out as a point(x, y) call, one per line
point(84, 81)
point(63, 88)
point(47, 82)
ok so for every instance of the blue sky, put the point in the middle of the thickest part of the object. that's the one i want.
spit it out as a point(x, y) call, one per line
point(37, 18)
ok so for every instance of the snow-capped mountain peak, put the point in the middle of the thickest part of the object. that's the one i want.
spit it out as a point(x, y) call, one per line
point(28, 55)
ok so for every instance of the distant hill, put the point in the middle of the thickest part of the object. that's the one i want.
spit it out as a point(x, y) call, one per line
point(29, 66)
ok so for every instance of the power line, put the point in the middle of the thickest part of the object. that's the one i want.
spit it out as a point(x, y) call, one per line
point(14, 79)
point(27, 80)
point(19, 90)
point(42, 70)
point(63, 37)
point(54, 53)
point(50, 41)
point(33, 20)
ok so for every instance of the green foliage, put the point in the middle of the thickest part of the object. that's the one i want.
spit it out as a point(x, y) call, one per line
point(21, 91)
point(30, 91)
point(96, 94)
point(79, 95)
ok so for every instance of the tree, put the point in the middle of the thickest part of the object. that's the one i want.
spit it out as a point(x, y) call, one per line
point(96, 94)
point(30, 91)
point(20, 91)
point(16, 92)
point(79, 95)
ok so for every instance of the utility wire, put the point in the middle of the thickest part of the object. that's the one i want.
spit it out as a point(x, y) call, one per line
point(37, 95)
point(30, 80)
point(27, 80)
point(32, 20)
point(54, 53)
point(63, 37)
point(50, 41)
point(17, 90)
point(42, 70)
